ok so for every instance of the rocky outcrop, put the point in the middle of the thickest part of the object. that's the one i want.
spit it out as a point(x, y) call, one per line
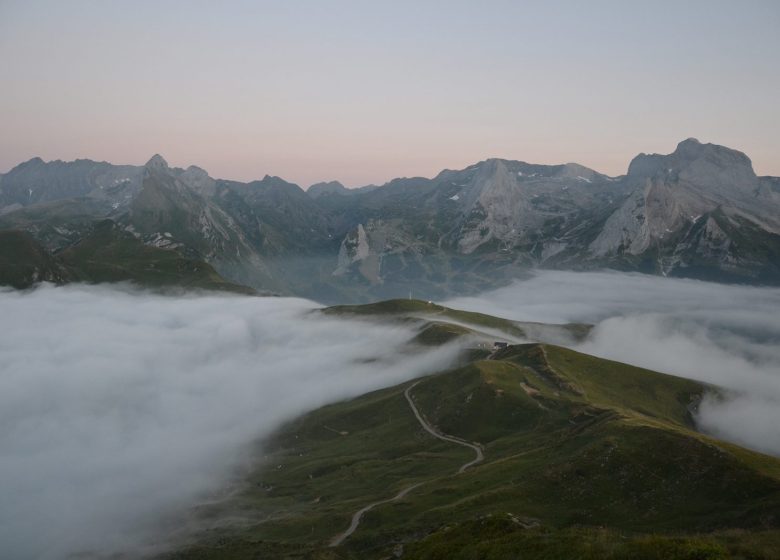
point(669, 212)
point(700, 211)
point(354, 250)
point(327, 188)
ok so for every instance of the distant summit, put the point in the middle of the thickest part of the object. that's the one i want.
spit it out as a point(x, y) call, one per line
point(697, 212)
point(705, 157)
point(331, 187)
point(157, 162)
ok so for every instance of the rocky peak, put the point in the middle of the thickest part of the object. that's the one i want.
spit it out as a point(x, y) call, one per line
point(32, 162)
point(692, 150)
point(198, 179)
point(577, 171)
point(277, 184)
point(695, 161)
point(690, 145)
point(330, 187)
point(195, 171)
point(157, 163)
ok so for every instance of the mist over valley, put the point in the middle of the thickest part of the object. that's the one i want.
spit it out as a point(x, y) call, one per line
point(111, 395)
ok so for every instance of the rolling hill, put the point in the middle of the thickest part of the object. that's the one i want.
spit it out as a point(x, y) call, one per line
point(532, 451)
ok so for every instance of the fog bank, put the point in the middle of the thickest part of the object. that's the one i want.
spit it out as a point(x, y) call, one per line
point(117, 407)
point(720, 334)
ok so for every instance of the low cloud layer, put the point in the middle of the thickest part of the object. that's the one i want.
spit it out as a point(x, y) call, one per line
point(725, 335)
point(117, 407)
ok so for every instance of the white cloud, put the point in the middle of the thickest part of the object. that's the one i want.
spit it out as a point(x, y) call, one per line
point(118, 407)
point(724, 335)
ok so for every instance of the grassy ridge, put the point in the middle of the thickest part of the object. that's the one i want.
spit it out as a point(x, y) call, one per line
point(411, 307)
point(407, 309)
point(584, 458)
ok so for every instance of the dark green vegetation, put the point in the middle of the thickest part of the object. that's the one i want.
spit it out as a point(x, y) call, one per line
point(583, 458)
point(505, 537)
point(106, 254)
point(23, 262)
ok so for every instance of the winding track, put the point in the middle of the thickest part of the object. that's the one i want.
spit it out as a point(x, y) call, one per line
point(338, 539)
point(452, 439)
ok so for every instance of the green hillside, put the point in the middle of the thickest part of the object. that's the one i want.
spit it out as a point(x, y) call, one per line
point(583, 458)
point(23, 262)
point(105, 254)
point(109, 254)
point(408, 309)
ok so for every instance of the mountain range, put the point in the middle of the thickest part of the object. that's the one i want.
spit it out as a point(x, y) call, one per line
point(699, 212)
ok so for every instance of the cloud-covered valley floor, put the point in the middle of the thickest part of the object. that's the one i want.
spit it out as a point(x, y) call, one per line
point(119, 408)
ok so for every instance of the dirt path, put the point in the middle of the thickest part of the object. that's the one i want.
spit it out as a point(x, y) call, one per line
point(341, 537)
point(431, 430)
point(338, 539)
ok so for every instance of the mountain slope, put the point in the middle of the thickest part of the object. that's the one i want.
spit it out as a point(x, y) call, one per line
point(580, 453)
point(107, 253)
point(110, 254)
point(698, 212)
point(24, 262)
point(35, 181)
point(701, 207)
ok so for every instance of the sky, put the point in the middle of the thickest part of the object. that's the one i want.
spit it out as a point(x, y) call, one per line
point(363, 92)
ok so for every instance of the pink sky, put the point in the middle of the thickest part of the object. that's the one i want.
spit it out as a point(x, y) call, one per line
point(362, 94)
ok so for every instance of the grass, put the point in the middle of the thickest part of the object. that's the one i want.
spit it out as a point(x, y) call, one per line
point(436, 334)
point(406, 309)
point(584, 458)
point(504, 536)
point(107, 254)
point(23, 262)
point(413, 307)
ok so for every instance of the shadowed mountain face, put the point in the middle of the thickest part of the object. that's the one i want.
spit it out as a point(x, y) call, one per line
point(698, 212)
point(105, 253)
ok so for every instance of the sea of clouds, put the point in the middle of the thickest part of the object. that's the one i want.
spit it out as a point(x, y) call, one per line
point(118, 407)
point(725, 335)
